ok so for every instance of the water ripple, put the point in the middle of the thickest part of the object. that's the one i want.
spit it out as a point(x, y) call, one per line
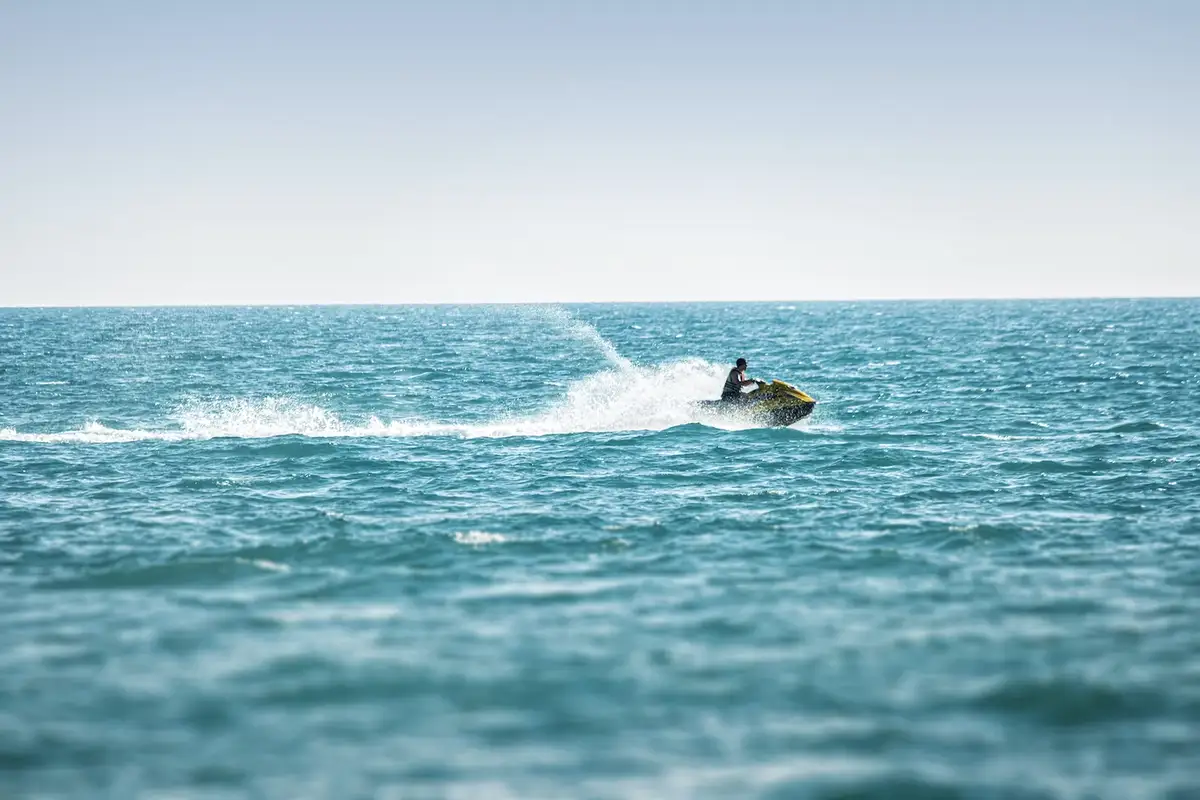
point(500, 552)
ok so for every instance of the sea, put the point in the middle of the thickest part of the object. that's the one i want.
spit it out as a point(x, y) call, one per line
point(501, 552)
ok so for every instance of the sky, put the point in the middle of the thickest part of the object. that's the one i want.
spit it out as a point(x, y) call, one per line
point(538, 151)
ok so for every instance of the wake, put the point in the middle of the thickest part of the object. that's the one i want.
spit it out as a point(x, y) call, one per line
point(632, 398)
point(622, 397)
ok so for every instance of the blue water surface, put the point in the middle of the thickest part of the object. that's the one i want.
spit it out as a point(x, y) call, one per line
point(499, 552)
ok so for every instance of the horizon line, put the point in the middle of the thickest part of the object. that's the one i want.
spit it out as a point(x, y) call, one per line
point(434, 303)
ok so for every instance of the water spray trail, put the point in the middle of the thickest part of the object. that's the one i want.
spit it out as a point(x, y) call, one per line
point(631, 398)
point(581, 331)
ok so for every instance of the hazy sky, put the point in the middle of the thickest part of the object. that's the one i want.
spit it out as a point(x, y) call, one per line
point(289, 152)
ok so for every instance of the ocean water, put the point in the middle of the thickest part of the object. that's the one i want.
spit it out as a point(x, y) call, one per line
point(497, 552)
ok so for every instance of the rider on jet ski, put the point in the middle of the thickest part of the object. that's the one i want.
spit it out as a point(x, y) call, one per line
point(732, 392)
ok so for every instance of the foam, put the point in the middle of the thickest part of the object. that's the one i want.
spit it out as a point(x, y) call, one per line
point(90, 433)
point(238, 418)
point(257, 419)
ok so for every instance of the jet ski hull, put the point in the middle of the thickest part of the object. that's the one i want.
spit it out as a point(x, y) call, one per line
point(776, 405)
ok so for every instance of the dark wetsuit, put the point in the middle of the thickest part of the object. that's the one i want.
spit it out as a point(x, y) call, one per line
point(733, 387)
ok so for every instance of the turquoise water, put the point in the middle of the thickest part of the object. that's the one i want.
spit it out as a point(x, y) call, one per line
point(487, 552)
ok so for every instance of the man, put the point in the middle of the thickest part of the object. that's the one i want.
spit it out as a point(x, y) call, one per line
point(732, 392)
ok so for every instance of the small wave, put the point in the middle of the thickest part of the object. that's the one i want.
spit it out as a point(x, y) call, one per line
point(476, 538)
point(369, 612)
point(1135, 427)
point(1001, 437)
point(264, 564)
point(1070, 702)
point(184, 572)
point(809, 426)
point(956, 536)
point(1051, 466)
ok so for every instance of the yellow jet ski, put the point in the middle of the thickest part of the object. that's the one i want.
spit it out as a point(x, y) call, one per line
point(775, 404)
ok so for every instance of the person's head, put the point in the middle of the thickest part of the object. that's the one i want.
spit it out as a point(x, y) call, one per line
point(741, 363)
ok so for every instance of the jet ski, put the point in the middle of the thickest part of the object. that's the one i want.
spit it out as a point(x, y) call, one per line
point(775, 404)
